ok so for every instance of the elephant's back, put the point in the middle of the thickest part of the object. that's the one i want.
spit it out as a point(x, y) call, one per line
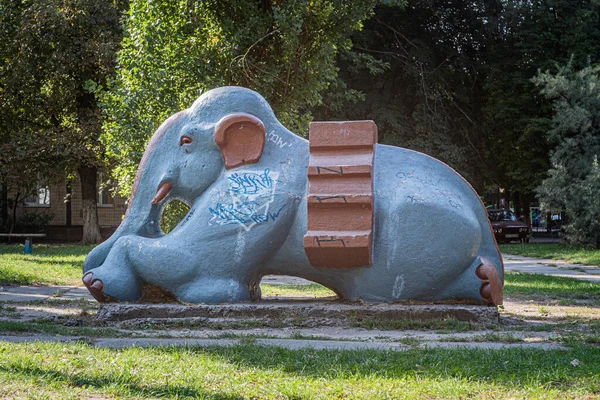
point(411, 183)
point(407, 176)
point(430, 226)
point(407, 180)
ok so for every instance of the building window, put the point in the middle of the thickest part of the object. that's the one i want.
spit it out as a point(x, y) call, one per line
point(105, 198)
point(40, 197)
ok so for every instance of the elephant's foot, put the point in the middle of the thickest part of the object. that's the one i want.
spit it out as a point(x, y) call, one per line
point(95, 286)
point(492, 288)
point(111, 284)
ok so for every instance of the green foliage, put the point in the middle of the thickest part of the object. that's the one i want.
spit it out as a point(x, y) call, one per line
point(527, 37)
point(31, 222)
point(55, 56)
point(175, 50)
point(174, 212)
point(454, 81)
point(573, 183)
point(417, 70)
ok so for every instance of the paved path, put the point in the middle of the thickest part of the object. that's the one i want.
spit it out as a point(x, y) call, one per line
point(512, 263)
point(33, 293)
point(292, 344)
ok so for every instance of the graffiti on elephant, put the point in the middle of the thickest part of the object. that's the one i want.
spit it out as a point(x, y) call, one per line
point(249, 212)
point(275, 138)
point(250, 183)
point(248, 200)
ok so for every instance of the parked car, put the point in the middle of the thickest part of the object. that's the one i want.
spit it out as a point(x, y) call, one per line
point(507, 227)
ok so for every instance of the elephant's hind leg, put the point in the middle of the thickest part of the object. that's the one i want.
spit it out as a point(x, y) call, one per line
point(213, 291)
point(491, 285)
point(481, 283)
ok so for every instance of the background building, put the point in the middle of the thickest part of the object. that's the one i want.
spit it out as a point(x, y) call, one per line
point(56, 210)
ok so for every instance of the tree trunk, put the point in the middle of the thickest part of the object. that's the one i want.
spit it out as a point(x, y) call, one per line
point(4, 206)
point(14, 214)
point(91, 228)
point(516, 196)
point(68, 208)
point(506, 197)
point(526, 201)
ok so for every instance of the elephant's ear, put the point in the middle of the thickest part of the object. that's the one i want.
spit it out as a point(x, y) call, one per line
point(241, 138)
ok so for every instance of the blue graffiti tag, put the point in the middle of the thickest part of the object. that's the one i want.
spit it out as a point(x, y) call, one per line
point(250, 182)
point(243, 213)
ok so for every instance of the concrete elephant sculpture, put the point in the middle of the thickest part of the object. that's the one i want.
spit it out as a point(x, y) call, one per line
point(244, 177)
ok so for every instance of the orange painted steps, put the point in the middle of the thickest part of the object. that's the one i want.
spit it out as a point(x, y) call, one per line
point(340, 194)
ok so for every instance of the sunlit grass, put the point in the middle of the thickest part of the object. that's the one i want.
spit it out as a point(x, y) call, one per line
point(554, 287)
point(48, 265)
point(312, 290)
point(249, 371)
point(556, 251)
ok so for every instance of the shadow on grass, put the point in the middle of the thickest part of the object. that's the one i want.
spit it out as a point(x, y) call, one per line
point(516, 367)
point(530, 370)
point(108, 381)
point(48, 260)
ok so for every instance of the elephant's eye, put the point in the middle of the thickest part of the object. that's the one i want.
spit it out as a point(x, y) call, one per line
point(185, 140)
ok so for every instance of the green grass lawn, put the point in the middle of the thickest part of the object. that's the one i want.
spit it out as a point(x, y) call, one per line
point(248, 371)
point(556, 251)
point(48, 265)
point(552, 287)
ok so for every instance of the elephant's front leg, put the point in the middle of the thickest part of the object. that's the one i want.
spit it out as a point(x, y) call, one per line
point(169, 262)
point(116, 278)
point(193, 275)
point(134, 260)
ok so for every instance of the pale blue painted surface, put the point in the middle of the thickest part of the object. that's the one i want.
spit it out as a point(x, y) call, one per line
point(429, 230)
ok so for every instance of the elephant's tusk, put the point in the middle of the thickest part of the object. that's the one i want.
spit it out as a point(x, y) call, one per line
point(162, 192)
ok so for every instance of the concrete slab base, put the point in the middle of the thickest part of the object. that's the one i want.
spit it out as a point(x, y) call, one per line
point(295, 313)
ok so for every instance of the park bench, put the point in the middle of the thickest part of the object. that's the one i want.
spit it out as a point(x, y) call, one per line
point(28, 237)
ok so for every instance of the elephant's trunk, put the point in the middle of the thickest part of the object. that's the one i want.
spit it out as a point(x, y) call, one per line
point(145, 204)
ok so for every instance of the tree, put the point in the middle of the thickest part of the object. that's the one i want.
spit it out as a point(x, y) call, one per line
point(175, 50)
point(420, 71)
point(528, 37)
point(573, 182)
point(56, 57)
point(19, 150)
